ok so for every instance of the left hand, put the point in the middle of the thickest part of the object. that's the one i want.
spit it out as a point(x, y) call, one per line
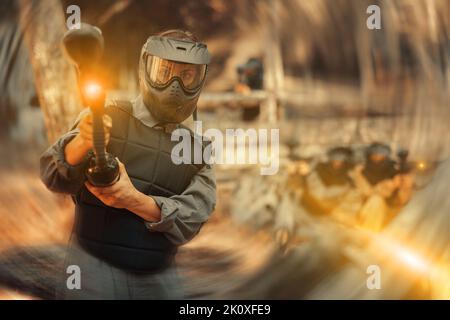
point(121, 195)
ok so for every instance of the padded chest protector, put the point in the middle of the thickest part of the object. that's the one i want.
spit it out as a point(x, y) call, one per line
point(118, 236)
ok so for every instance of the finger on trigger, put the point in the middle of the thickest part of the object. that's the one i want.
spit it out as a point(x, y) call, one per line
point(86, 135)
point(90, 187)
point(121, 165)
point(85, 126)
point(109, 191)
point(86, 130)
point(88, 117)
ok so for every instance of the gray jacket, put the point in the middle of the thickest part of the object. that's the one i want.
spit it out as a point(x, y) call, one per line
point(181, 215)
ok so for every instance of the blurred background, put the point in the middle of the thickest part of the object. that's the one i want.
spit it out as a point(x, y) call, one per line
point(310, 68)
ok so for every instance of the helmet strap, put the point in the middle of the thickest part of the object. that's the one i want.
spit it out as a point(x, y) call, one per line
point(194, 114)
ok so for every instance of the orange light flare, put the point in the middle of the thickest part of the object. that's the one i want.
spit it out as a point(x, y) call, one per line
point(396, 250)
point(407, 256)
point(421, 165)
point(92, 90)
point(437, 273)
point(411, 259)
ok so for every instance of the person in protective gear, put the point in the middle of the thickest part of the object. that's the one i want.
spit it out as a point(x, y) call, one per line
point(251, 74)
point(250, 77)
point(322, 191)
point(405, 181)
point(378, 183)
point(126, 236)
point(329, 182)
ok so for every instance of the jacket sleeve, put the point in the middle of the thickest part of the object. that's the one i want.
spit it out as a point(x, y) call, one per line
point(183, 215)
point(55, 172)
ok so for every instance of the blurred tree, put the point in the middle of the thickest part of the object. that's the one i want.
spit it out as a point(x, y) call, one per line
point(43, 25)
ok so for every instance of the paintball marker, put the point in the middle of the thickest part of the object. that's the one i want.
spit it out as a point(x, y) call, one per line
point(84, 48)
point(403, 166)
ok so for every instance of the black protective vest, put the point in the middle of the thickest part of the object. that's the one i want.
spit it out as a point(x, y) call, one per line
point(118, 236)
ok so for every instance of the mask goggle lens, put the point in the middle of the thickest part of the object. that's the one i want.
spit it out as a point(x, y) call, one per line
point(161, 71)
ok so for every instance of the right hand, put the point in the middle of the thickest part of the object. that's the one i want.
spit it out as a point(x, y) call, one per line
point(85, 127)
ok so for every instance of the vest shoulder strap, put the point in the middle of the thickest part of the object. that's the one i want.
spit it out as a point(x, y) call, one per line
point(205, 141)
point(127, 107)
point(124, 105)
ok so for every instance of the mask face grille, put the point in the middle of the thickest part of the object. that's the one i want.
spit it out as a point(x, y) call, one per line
point(170, 104)
point(161, 73)
point(175, 89)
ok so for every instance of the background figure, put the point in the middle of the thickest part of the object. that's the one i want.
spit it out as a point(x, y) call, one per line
point(329, 183)
point(405, 180)
point(380, 185)
point(250, 77)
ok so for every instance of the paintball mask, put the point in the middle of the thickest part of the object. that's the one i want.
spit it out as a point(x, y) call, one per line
point(343, 154)
point(380, 149)
point(171, 75)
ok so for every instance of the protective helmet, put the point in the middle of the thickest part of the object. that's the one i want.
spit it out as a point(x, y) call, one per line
point(172, 73)
point(378, 148)
point(344, 154)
